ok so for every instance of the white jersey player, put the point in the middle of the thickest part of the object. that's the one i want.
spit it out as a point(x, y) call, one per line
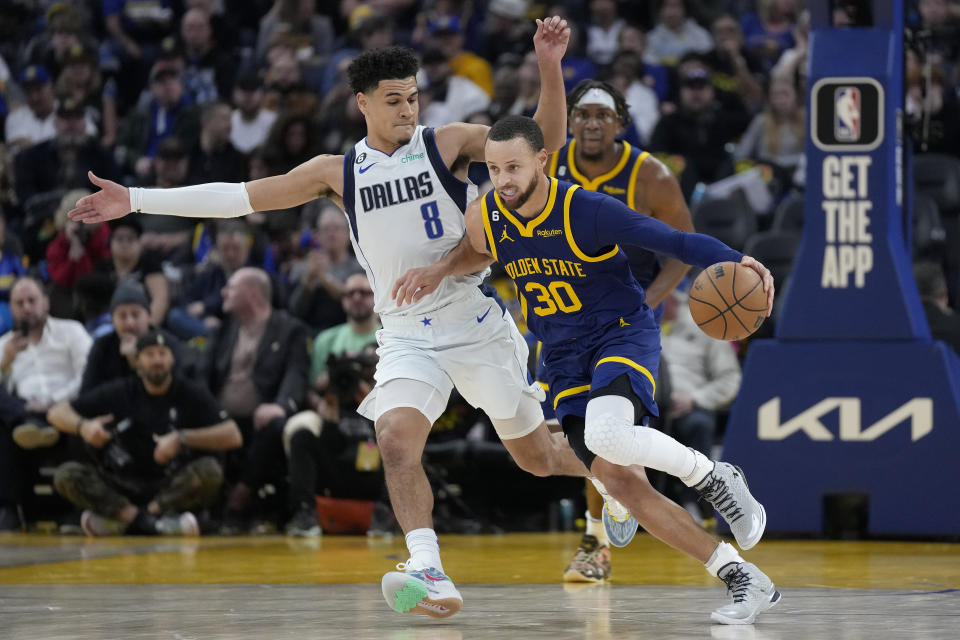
point(405, 206)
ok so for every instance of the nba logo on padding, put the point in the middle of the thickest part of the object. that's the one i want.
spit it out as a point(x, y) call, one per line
point(846, 125)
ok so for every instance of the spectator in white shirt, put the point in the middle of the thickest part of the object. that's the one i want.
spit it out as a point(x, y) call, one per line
point(33, 122)
point(250, 122)
point(676, 35)
point(603, 31)
point(41, 363)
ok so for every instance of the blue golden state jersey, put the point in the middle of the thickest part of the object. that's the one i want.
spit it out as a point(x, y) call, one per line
point(566, 290)
point(620, 183)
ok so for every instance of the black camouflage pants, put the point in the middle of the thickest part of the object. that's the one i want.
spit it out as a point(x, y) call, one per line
point(194, 486)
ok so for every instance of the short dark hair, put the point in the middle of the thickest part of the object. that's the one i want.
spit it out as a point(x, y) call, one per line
point(623, 109)
point(511, 127)
point(370, 67)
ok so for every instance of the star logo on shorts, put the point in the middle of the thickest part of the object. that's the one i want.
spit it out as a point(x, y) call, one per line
point(426, 322)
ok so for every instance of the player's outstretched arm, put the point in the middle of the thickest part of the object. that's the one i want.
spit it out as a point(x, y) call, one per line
point(317, 177)
point(469, 256)
point(550, 42)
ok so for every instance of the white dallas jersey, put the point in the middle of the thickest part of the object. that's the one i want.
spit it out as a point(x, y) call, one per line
point(405, 210)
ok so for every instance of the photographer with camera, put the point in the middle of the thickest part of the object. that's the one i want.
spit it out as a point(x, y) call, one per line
point(147, 436)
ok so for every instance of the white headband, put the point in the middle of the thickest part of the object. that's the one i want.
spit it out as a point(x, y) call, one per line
point(598, 96)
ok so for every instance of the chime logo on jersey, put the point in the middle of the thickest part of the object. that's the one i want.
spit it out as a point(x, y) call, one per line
point(846, 123)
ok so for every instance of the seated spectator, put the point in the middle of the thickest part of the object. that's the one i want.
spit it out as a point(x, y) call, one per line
point(164, 235)
point(704, 378)
point(506, 29)
point(603, 30)
point(63, 162)
point(214, 159)
point(80, 81)
point(321, 277)
point(736, 68)
point(768, 32)
point(73, 253)
point(286, 91)
point(373, 32)
point(653, 75)
point(447, 34)
point(450, 98)
point(528, 87)
point(700, 128)
point(336, 455)
point(250, 122)
point(169, 111)
point(257, 367)
point(351, 337)
point(778, 135)
point(934, 112)
point(12, 266)
point(202, 308)
point(41, 364)
point(148, 437)
point(676, 34)
point(312, 34)
point(130, 263)
point(641, 100)
point(944, 321)
point(575, 66)
point(291, 142)
point(33, 122)
point(64, 28)
point(113, 355)
point(209, 71)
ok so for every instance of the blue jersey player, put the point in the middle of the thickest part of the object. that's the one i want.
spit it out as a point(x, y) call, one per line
point(601, 345)
point(597, 159)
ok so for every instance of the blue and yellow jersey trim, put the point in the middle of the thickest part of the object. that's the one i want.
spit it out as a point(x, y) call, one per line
point(568, 232)
point(632, 185)
point(487, 230)
point(594, 185)
point(572, 391)
point(526, 229)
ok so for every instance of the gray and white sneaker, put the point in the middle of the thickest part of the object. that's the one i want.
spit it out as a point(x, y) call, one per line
point(726, 489)
point(751, 592)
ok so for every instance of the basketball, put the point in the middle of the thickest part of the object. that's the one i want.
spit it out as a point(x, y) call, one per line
point(727, 301)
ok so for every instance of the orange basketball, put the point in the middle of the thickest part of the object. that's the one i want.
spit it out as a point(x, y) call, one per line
point(727, 301)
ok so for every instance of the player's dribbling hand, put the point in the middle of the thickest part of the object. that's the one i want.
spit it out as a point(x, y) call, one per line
point(110, 203)
point(551, 38)
point(765, 276)
point(415, 284)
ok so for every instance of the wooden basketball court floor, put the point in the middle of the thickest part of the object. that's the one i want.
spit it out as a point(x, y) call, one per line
point(277, 588)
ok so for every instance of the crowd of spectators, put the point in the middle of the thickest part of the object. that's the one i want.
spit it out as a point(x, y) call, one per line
point(174, 92)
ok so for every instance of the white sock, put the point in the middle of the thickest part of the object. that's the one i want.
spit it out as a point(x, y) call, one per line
point(424, 549)
point(595, 528)
point(701, 467)
point(723, 555)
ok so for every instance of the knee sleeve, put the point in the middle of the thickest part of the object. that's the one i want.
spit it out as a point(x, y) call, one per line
point(609, 431)
point(308, 421)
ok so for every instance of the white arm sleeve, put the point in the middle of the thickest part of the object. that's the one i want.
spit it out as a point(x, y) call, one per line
point(211, 200)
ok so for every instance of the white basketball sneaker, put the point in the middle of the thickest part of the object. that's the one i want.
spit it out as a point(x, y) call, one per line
point(751, 593)
point(726, 489)
point(428, 591)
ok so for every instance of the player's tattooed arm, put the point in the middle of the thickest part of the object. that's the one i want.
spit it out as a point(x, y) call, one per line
point(469, 256)
point(319, 177)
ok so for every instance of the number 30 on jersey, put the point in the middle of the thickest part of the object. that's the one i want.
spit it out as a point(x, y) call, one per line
point(557, 295)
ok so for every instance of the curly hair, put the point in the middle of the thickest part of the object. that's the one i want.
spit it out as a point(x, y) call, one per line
point(370, 67)
point(623, 109)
